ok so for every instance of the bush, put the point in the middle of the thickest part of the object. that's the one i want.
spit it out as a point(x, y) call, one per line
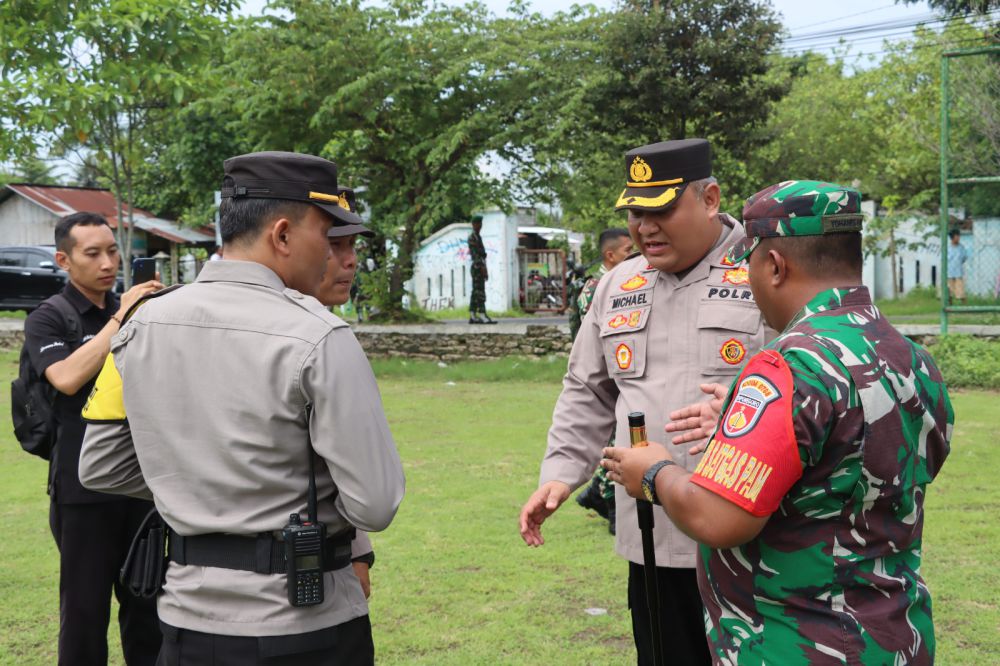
point(967, 361)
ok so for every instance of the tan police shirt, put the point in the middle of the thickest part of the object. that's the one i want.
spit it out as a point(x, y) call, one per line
point(227, 382)
point(649, 339)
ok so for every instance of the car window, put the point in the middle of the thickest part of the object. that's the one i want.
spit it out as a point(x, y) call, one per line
point(34, 259)
point(11, 258)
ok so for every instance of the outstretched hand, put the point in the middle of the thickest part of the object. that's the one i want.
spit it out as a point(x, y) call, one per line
point(542, 504)
point(697, 422)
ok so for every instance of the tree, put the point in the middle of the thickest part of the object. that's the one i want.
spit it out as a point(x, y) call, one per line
point(652, 71)
point(406, 99)
point(85, 77)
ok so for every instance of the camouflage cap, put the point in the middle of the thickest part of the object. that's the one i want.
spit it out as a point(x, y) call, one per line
point(798, 208)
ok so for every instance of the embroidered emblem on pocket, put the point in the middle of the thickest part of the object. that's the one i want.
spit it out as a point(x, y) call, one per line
point(732, 351)
point(623, 356)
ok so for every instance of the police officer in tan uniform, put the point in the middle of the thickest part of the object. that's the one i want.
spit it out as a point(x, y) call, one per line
point(237, 389)
point(677, 315)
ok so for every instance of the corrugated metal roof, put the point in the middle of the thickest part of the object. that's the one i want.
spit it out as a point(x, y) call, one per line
point(67, 200)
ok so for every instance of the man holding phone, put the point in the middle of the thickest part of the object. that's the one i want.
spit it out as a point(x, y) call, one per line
point(92, 530)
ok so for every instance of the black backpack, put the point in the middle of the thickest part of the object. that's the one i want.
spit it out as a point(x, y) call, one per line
point(32, 398)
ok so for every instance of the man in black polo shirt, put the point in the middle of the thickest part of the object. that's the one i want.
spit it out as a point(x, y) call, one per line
point(92, 530)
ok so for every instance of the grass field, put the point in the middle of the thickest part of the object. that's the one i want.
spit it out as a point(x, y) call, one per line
point(453, 583)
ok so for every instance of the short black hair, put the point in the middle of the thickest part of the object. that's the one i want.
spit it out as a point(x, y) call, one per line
point(64, 240)
point(608, 236)
point(827, 256)
point(241, 220)
point(953, 233)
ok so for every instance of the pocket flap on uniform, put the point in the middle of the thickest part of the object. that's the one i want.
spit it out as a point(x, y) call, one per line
point(735, 317)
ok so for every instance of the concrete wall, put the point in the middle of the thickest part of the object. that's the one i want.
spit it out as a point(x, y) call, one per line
point(441, 267)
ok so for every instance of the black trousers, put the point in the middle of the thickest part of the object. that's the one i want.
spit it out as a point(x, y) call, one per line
point(93, 540)
point(347, 644)
point(682, 623)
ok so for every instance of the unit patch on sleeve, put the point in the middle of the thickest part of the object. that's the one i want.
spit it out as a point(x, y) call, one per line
point(753, 459)
point(633, 283)
point(623, 356)
point(736, 276)
point(753, 395)
point(732, 351)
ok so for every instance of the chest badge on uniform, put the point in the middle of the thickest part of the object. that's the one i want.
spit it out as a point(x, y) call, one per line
point(623, 356)
point(634, 283)
point(732, 351)
point(753, 395)
point(631, 319)
point(726, 261)
point(736, 276)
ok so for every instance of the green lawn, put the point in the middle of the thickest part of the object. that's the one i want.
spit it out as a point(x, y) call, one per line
point(454, 584)
point(923, 306)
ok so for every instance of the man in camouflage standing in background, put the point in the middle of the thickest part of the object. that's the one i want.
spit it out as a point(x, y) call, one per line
point(479, 273)
point(809, 500)
point(615, 245)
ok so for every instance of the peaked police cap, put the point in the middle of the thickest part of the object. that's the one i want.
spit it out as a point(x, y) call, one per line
point(656, 175)
point(338, 230)
point(288, 176)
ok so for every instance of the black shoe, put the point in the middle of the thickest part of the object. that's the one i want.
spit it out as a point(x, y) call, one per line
point(591, 499)
point(487, 319)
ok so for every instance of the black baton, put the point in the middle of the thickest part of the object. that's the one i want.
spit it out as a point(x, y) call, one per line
point(644, 509)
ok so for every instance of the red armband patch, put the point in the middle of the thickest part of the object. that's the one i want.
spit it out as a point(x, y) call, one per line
point(753, 458)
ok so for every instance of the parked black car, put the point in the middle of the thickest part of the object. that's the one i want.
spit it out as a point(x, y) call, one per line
point(28, 275)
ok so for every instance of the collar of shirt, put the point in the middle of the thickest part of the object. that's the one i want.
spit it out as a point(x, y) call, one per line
point(833, 299)
point(84, 304)
point(246, 272)
point(729, 234)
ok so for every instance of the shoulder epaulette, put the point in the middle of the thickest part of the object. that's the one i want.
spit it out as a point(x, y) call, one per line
point(155, 294)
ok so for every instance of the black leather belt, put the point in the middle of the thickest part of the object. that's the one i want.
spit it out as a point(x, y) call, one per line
point(263, 554)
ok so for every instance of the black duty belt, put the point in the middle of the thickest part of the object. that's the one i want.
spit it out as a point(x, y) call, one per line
point(263, 554)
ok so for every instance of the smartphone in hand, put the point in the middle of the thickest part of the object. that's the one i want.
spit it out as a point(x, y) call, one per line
point(143, 270)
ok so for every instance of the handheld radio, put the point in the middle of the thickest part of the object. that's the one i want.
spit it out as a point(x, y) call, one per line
point(304, 552)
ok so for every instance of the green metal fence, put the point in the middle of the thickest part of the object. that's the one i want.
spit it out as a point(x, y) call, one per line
point(947, 181)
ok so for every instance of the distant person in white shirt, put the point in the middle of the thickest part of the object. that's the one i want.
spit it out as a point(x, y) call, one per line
point(217, 254)
point(957, 256)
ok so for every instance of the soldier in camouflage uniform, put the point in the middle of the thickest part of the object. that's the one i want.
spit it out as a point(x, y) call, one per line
point(809, 501)
point(615, 245)
point(477, 252)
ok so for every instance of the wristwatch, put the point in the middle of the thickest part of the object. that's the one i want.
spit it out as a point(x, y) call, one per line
point(649, 480)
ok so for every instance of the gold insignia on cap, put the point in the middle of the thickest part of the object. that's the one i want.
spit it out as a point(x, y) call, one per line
point(321, 196)
point(640, 171)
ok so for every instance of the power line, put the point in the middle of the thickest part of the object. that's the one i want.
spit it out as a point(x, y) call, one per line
point(869, 11)
point(833, 39)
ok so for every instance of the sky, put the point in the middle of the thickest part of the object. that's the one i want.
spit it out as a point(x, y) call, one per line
point(801, 19)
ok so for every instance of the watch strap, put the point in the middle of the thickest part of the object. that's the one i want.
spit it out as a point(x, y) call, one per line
point(649, 480)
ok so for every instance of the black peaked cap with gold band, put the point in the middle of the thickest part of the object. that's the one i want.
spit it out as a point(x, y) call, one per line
point(656, 175)
point(289, 176)
point(346, 195)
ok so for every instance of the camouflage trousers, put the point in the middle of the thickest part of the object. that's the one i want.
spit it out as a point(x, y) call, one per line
point(477, 302)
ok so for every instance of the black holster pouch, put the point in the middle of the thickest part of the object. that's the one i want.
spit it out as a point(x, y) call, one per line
point(145, 565)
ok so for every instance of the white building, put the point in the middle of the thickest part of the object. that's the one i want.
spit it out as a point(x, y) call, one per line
point(441, 277)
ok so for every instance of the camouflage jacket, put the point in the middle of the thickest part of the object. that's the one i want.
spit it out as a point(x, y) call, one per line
point(833, 430)
point(477, 250)
point(586, 296)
